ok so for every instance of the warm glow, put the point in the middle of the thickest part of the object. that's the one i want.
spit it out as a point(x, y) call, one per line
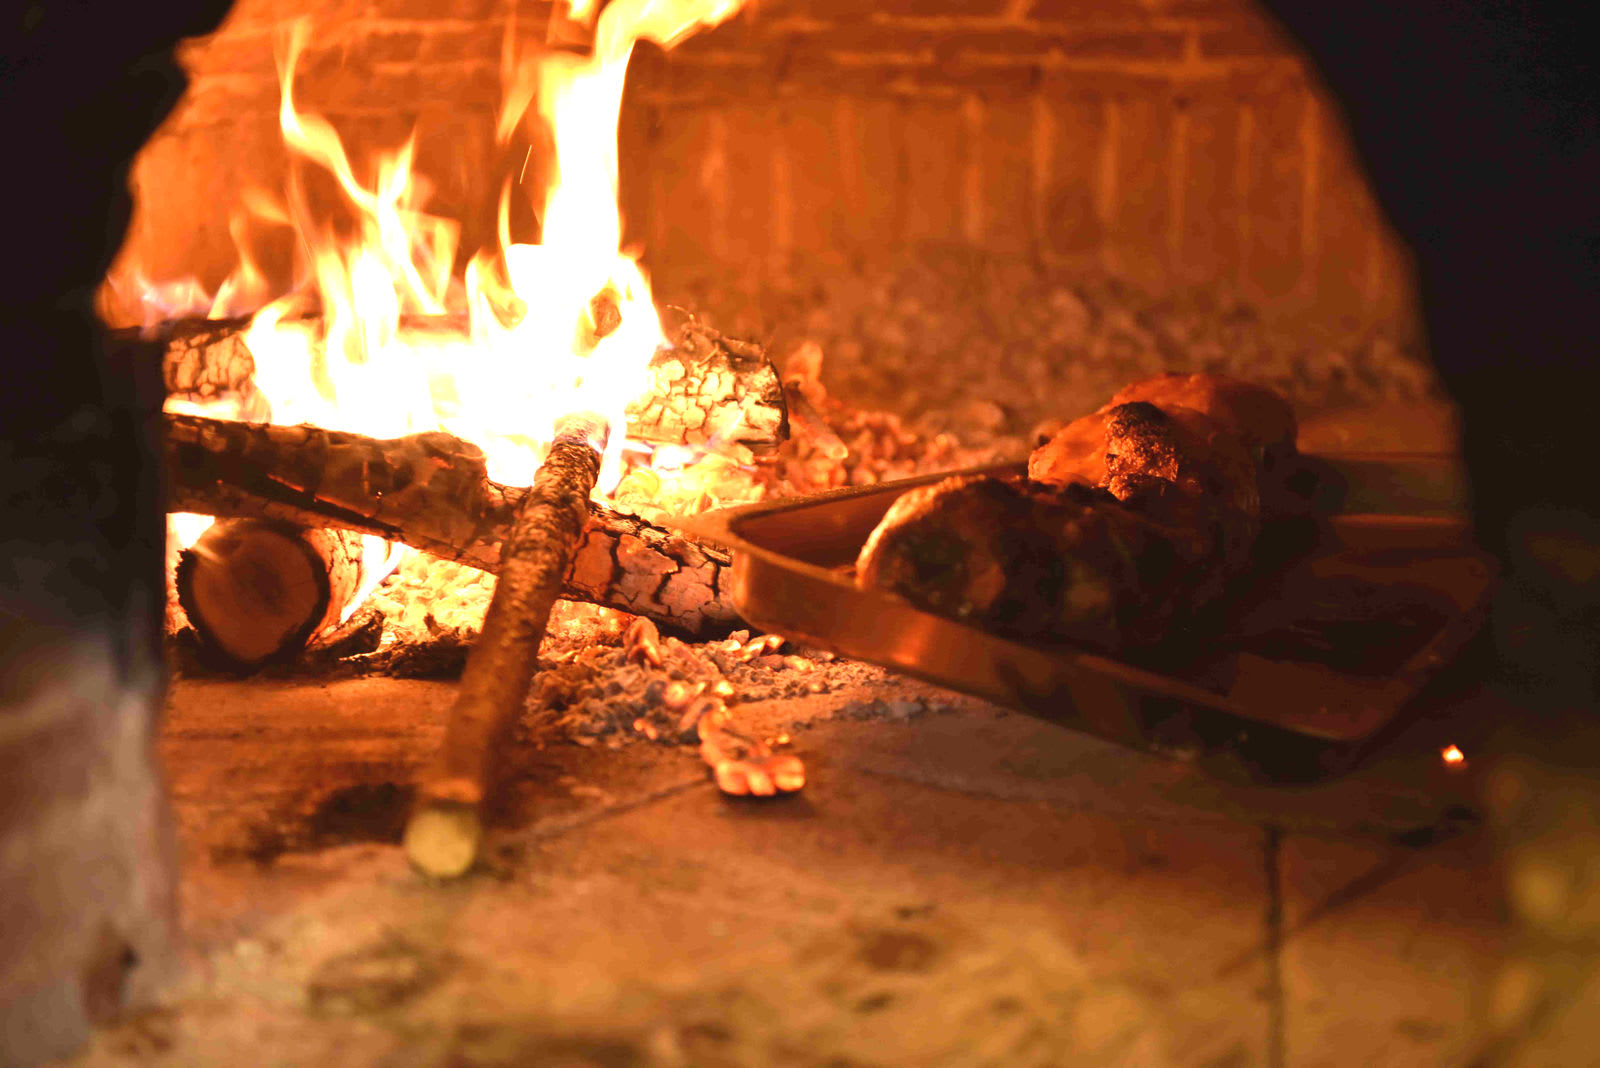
point(185, 528)
point(337, 353)
point(379, 560)
point(541, 330)
point(1453, 756)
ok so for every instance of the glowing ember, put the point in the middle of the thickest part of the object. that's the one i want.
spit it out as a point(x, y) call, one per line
point(1453, 756)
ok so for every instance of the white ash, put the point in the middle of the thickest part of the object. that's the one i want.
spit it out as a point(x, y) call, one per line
point(924, 337)
point(894, 709)
point(597, 696)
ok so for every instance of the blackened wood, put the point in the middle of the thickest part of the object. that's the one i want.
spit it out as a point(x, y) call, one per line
point(432, 491)
point(204, 358)
point(535, 555)
point(706, 389)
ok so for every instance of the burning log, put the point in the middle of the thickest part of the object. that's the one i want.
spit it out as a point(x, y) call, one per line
point(257, 590)
point(203, 358)
point(710, 388)
point(443, 835)
point(706, 388)
point(432, 491)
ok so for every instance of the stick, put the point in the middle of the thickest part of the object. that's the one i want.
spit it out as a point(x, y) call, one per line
point(432, 491)
point(704, 389)
point(443, 835)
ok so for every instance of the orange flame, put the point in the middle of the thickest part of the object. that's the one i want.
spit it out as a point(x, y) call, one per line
point(529, 350)
point(500, 384)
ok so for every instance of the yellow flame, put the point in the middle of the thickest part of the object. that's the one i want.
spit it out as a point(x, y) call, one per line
point(528, 346)
point(379, 559)
point(529, 351)
point(185, 528)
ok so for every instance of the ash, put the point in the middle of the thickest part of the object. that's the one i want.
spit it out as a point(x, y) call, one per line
point(925, 337)
point(612, 696)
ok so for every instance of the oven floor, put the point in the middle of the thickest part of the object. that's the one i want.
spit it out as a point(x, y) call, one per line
point(955, 885)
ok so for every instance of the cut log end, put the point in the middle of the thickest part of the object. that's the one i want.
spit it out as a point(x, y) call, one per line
point(256, 591)
point(443, 838)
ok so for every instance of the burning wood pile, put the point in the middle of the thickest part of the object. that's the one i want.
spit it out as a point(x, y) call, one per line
point(275, 583)
point(396, 467)
point(431, 492)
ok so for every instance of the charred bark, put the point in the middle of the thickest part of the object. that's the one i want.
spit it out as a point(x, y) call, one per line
point(705, 389)
point(711, 389)
point(432, 491)
point(202, 358)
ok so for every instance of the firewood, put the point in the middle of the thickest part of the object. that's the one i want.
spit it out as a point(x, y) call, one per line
point(709, 388)
point(443, 834)
point(256, 590)
point(432, 491)
point(705, 388)
point(201, 358)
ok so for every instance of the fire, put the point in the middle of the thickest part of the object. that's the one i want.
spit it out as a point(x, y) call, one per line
point(563, 325)
point(536, 331)
point(1453, 756)
point(185, 528)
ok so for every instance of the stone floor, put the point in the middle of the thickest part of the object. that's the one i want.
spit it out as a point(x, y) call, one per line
point(958, 886)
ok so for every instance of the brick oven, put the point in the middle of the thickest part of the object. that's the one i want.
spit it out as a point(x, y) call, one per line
point(679, 787)
point(1168, 144)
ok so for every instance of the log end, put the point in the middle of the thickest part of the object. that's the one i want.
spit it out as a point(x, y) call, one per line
point(256, 591)
point(252, 591)
point(442, 839)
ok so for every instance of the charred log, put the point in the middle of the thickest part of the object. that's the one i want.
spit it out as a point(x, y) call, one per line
point(705, 389)
point(203, 358)
point(432, 491)
point(711, 389)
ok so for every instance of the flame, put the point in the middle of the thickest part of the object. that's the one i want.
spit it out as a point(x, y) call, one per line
point(542, 330)
point(379, 560)
point(185, 528)
point(128, 296)
point(1453, 756)
point(533, 347)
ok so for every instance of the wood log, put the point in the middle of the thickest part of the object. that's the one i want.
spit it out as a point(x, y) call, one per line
point(201, 358)
point(432, 492)
point(443, 834)
point(704, 389)
point(711, 389)
point(257, 591)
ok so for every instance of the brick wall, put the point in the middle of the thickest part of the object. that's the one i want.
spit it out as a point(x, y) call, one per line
point(377, 69)
point(1168, 141)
